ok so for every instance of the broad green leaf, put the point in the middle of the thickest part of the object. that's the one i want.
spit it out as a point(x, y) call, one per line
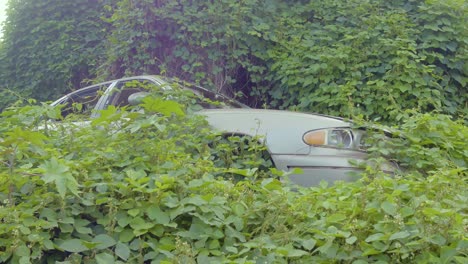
point(133, 212)
point(104, 241)
point(165, 107)
point(55, 171)
point(156, 214)
point(122, 251)
point(406, 211)
point(370, 252)
point(400, 235)
point(309, 244)
point(106, 116)
point(447, 253)
point(104, 258)
point(123, 220)
point(238, 209)
point(351, 240)
point(437, 240)
point(336, 218)
point(290, 251)
point(195, 200)
point(389, 207)
point(90, 245)
point(375, 237)
point(73, 245)
point(140, 224)
point(83, 230)
point(22, 251)
point(126, 235)
point(271, 184)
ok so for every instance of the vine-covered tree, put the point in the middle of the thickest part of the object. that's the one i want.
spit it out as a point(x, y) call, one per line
point(373, 59)
point(50, 46)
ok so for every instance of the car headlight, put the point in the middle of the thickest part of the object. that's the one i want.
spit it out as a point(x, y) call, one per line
point(333, 137)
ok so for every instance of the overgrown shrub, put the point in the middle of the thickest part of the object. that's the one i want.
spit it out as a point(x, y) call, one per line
point(134, 187)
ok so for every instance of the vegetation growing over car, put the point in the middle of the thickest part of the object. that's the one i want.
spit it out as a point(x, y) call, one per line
point(84, 195)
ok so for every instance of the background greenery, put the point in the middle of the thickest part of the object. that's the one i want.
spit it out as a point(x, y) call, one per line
point(373, 59)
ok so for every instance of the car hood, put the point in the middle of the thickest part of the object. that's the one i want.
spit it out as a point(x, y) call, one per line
point(283, 130)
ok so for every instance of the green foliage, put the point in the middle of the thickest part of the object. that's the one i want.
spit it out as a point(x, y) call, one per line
point(373, 59)
point(137, 186)
point(203, 42)
point(49, 46)
point(347, 58)
point(425, 143)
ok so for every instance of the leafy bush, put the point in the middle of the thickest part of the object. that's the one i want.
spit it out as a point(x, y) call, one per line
point(134, 187)
point(425, 143)
point(372, 58)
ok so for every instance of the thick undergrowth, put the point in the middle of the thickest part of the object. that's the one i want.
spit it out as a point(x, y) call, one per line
point(145, 187)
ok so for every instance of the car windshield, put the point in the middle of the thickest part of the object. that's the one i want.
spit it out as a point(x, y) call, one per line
point(82, 101)
point(212, 96)
point(124, 90)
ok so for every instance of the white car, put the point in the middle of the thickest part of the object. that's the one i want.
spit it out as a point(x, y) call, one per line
point(320, 146)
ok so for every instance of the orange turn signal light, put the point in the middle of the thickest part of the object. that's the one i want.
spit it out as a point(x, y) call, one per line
point(317, 137)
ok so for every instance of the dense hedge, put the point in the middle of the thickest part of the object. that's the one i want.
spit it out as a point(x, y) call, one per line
point(81, 194)
point(348, 58)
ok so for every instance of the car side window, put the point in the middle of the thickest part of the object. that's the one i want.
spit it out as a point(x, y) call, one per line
point(82, 101)
point(124, 89)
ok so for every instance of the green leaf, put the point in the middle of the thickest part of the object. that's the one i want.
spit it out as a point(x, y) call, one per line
point(375, 237)
point(73, 245)
point(104, 258)
point(400, 235)
point(447, 253)
point(122, 251)
point(123, 220)
point(107, 115)
point(238, 209)
point(370, 252)
point(140, 224)
point(22, 251)
point(309, 244)
point(133, 212)
point(289, 251)
point(351, 240)
point(272, 184)
point(389, 207)
point(55, 171)
point(406, 211)
point(165, 107)
point(126, 235)
point(104, 241)
point(336, 218)
point(437, 240)
point(160, 217)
